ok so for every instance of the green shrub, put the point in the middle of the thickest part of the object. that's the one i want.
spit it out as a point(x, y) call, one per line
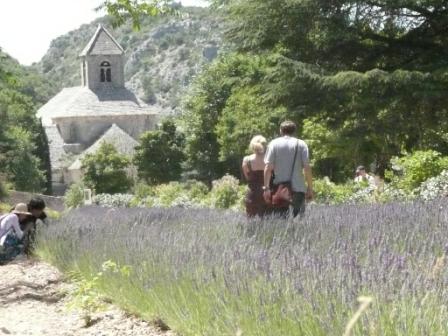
point(4, 208)
point(74, 196)
point(174, 194)
point(142, 193)
point(240, 204)
point(410, 171)
point(142, 190)
point(196, 190)
point(160, 154)
point(365, 194)
point(3, 190)
point(225, 193)
point(53, 214)
point(167, 193)
point(327, 192)
point(106, 171)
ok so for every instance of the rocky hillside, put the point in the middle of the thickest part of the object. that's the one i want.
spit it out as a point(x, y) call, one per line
point(21, 80)
point(162, 58)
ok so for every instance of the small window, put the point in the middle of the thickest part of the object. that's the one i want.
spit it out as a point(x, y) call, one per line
point(105, 72)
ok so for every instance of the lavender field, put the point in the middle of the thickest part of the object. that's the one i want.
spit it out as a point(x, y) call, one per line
point(209, 272)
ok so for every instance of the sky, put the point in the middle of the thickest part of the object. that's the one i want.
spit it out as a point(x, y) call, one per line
point(28, 26)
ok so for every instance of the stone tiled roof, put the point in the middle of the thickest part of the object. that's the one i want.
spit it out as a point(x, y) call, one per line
point(102, 43)
point(80, 101)
point(122, 141)
point(56, 143)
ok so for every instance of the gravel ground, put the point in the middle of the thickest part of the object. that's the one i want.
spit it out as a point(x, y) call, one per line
point(32, 302)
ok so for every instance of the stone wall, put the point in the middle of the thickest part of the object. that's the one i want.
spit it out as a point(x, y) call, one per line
point(54, 203)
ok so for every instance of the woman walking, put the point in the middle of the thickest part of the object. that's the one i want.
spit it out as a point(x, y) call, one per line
point(253, 168)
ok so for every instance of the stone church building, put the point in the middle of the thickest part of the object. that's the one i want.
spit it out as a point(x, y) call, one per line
point(78, 119)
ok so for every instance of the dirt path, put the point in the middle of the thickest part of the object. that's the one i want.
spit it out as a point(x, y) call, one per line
point(32, 302)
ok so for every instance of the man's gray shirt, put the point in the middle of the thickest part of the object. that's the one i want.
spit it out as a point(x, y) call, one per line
point(280, 154)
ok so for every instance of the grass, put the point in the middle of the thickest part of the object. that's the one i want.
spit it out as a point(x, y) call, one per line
point(209, 272)
point(4, 208)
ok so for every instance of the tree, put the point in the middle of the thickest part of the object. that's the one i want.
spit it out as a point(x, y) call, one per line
point(205, 129)
point(22, 166)
point(21, 159)
point(23, 145)
point(344, 34)
point(43, 151)
point(3, 191)
point(122, 10)
point(371, 74)
point(106, 170)
point(160, 155)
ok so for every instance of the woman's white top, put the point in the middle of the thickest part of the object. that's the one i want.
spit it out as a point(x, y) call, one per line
point(9, 223)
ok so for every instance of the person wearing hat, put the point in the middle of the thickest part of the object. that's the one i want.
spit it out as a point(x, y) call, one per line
point(10, 232)
point(362, 176)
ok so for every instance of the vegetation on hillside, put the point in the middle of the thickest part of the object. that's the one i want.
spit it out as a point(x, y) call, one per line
point(162, 57)
point(24, 153)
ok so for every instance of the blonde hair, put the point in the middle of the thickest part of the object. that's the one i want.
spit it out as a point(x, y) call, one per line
point(258, 144)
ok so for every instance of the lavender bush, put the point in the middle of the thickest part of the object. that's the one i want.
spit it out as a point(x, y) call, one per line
point(226, 193)
point(210, 272)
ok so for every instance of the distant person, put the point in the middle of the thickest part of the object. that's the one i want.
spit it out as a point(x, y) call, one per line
point(363, 177)
point(11, 234)
point(253, 170)
point(287, 157)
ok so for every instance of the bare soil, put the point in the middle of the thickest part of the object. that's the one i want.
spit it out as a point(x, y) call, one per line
point(33, 301)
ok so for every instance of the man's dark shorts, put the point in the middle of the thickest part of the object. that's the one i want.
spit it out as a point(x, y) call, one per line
point(298, 207)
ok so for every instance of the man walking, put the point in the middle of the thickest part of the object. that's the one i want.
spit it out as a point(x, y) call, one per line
point(287, 157)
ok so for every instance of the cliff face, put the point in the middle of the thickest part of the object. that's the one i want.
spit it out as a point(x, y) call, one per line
point(161, 58)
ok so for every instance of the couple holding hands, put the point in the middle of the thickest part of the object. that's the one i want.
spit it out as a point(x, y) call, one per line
point(278, 175)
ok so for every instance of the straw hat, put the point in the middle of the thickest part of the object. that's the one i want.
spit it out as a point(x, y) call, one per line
point(21, 209)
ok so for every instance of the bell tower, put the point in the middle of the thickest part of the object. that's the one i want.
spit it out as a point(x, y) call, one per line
point(102, 61)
